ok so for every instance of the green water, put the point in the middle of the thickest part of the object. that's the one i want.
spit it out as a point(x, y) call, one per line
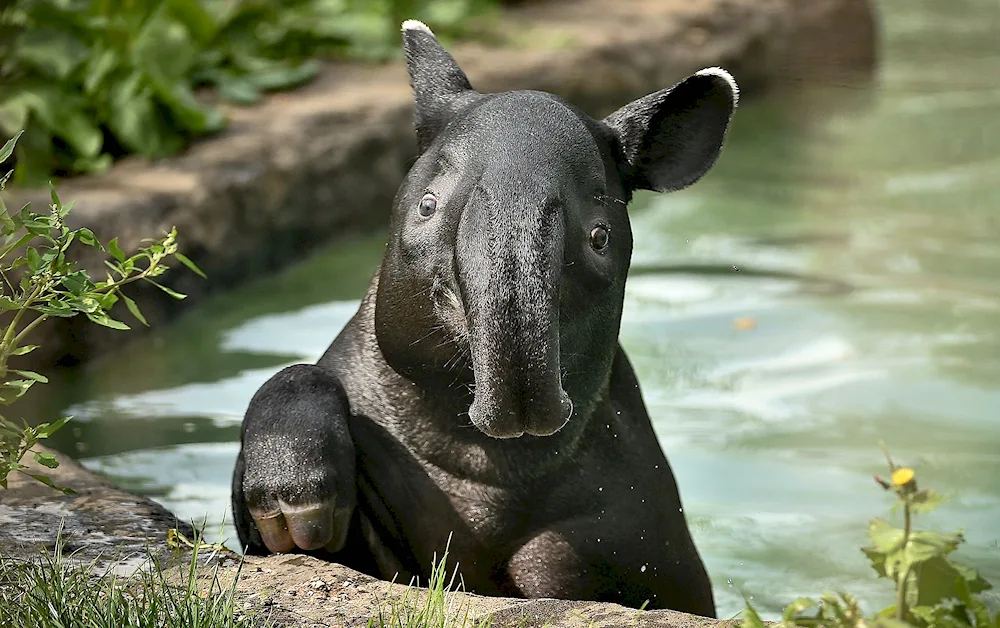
point(866, 231)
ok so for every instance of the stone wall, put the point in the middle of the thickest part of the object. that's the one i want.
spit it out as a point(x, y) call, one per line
point(307, 167)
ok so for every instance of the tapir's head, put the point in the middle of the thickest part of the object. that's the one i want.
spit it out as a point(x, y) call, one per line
point(509, 240)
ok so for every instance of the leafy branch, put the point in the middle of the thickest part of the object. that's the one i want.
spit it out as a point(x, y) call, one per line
point(933, 590)
point(50, 285)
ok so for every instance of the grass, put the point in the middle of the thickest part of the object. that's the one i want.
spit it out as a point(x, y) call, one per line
point(56, 591)
point(438, 608)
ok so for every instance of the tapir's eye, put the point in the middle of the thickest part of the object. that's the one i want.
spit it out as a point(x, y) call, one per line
point(428, 205)
point(599, 237)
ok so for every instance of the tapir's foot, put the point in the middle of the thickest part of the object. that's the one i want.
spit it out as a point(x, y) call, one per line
point(294, 485)
point(311, 527)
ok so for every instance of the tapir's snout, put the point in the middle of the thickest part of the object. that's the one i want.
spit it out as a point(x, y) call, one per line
point(508, 255)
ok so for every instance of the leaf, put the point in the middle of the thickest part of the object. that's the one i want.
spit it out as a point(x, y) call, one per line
point(99, 66)
point(796, 608)
point(116, 252)
point(174, 294)
point(8, 148)
point(939, 579)
point(201, 24)
point(284, 76)
point(24, 350)
point(892, 622)
point(134, 309)
point(925, 501)
point(238, 90)
point(87, 237)
point(137, 121)
point(34, 260)
point(77, 283)
point(103, 319)
point(47, 429)
point(884, 536)
point(33, 375)
point(975, 606)
point(54, 52)
point(924, 545)
point(164, 52)
point(751, 619)
point(46, 459)
point(86, 304)
point(183, 259)
point(66, 118)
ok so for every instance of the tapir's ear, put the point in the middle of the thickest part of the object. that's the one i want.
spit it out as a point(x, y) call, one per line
point(672, 137)
point(440, 87)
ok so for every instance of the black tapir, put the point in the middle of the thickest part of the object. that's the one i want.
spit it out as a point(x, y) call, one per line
point(480, 390)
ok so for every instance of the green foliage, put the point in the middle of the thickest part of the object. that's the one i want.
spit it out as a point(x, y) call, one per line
point(91, 80)
point(933, 590)
point(52, 592)
point(51, 285)
point(435, 609)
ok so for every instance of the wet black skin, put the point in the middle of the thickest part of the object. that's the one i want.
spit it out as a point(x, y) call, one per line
point(480, 391)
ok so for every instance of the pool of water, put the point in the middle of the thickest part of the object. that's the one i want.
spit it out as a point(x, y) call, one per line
point(833, 282)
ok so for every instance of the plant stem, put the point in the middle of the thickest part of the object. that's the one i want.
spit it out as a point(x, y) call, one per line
point(27, 328)
point(8, 343)
point(901, 610)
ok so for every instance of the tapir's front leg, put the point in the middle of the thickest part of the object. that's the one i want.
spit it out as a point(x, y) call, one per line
point(294, 484)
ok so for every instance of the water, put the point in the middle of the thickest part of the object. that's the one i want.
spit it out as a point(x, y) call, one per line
point(833, 282)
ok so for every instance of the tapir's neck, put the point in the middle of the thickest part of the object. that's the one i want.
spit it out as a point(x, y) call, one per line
point(430, 416)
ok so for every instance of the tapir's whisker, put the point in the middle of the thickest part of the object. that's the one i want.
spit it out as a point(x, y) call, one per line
point(601, 198)
point(425, 336)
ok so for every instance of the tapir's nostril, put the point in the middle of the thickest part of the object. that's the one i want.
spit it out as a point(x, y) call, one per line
point(566, 403)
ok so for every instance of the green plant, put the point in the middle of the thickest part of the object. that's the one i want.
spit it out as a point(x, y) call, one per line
point(437, 609)
point(932, 588)
point(92, 80)
point(53, 592)
point(51, 285)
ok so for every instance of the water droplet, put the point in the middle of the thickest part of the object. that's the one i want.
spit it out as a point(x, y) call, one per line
point(656, 466)
point(680, 510)
point(631, 488)
point(642, 569)
point(736, 268)
point(729, 581)
point(598, 539)
point(600, 488)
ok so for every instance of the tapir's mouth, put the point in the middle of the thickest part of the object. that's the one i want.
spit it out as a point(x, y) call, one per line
point(511, 424)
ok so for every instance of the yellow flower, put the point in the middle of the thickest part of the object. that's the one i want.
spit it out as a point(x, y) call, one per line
point(902, 476)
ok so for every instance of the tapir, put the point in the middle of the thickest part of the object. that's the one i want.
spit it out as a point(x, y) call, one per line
point(479, 400)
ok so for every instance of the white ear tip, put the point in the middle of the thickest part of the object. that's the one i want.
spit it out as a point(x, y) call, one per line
point(726, 76)
point(416, 25)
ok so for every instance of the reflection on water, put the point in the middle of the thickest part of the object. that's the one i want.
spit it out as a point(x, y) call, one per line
point(862, 240)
